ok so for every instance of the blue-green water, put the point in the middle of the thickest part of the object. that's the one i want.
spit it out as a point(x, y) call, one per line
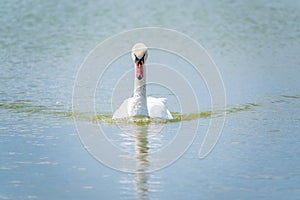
point(256, 46)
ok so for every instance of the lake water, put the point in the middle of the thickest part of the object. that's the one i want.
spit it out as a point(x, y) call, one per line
point(255, 45)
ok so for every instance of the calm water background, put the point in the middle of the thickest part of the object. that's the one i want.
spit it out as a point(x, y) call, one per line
point(256, 46)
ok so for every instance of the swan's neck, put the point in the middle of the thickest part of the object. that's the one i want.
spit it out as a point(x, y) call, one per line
point(140, 97)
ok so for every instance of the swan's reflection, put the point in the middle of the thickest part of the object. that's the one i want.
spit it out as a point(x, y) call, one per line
point(141, 135)
point(141, 149)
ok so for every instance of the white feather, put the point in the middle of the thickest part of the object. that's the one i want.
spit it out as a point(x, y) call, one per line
point(156, 108)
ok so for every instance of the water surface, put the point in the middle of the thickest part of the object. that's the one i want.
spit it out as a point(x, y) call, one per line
point(255, 44)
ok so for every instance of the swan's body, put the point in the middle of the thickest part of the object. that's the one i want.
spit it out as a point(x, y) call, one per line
point(140, 104)
point(156, 108)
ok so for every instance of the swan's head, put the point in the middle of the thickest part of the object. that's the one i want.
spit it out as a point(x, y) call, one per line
point(139, 56)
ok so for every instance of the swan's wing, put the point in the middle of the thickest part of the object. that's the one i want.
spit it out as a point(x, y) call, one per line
point(122, 111)
point(157, 108)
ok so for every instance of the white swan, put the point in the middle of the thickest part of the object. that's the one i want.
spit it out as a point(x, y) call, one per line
point(140, 104)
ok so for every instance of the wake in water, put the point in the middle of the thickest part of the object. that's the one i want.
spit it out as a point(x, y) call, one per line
point(30, 107)
point(177, 117)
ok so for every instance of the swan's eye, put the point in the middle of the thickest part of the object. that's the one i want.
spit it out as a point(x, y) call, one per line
point(136, 58)
point(143, 58)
